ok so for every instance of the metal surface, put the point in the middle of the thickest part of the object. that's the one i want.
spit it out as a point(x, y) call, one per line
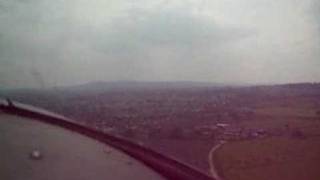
point(38, 151)
point(168, 168)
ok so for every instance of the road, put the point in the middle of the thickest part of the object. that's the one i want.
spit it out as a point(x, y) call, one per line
point(213, 170)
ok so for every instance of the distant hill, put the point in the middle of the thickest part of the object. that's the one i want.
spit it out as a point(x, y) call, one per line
point(65, 92)
point(123, 86)
point(138, 85)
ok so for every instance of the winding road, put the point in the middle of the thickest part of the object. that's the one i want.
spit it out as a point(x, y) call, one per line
point(213, 170)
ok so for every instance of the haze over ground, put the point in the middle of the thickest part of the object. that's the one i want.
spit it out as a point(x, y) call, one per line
point(49, 43)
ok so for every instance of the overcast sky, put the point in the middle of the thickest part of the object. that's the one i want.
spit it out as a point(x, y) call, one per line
point(49, 43)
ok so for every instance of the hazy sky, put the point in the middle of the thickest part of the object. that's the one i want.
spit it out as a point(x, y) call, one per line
point(48, 43)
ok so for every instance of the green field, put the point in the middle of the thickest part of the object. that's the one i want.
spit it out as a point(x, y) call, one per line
point(293, 153)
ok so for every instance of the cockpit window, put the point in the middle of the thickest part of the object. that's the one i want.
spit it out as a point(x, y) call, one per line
point(228, 87)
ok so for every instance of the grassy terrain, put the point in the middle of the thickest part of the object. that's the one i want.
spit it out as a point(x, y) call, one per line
point(273, 158)
point(291, 153)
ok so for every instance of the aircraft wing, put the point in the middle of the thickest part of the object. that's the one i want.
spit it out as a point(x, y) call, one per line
point(37, 144)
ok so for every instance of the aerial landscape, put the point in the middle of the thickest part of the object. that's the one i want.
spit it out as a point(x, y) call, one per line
point(229, 132)
point(230, 88)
